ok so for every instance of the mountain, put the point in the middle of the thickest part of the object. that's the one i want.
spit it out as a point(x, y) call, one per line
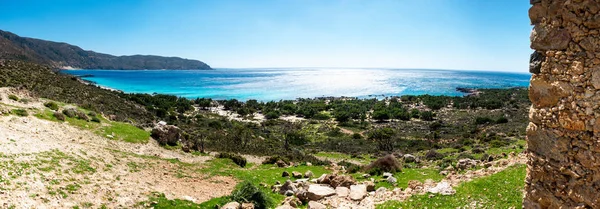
point(63, 55)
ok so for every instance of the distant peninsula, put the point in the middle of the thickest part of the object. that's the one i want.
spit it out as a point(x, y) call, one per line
point(66, 56)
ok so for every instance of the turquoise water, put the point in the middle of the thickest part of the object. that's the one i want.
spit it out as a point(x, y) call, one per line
point(291, 83)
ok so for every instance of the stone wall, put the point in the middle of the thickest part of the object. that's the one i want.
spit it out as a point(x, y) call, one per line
point(563, 135)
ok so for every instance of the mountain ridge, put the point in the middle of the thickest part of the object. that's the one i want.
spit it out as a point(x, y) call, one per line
point(64, 55)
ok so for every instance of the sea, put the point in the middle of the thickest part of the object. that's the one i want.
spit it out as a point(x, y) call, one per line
point(274, 84)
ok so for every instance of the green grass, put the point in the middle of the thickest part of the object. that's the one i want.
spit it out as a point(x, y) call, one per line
point(341, 156)
point(20, 112)
point(501, 190)
point(122, 131)
point(407, 174)
point(126, 132)
point(158, 201)
point(267, 174)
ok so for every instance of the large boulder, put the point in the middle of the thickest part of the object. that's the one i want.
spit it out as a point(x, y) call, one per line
point(358, 192)
point(308, 174)
point(370, 186)
point(408, 158)
point(248, 205)
point(166, 134)
point(317, 192)
point(232, 205)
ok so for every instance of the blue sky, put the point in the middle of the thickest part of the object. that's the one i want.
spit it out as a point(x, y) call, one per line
point(433, 34)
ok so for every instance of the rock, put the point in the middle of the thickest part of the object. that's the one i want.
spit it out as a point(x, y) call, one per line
point(285, 207)
point(281, 164)
point(596, 77)
point(316, 205)
point(296, 174)
point(277, 183)
point(386, 175)
point(162, 123)
point(370, 186)
point(344, 181)
point(285, 174)
point(232, 205)
point(408, 158)
point(308, 164)
point(381, 190)
point(466, 163)
point(366, 175)
point(292, 201)
point(368, 202)
point(300, 180)
point(342, 191)
point(317, 192)
point(302, 195)
point(414, 184)
point(444, 172)
point(287, 186)
point(289, 193)
point(358, 192)
point(166, 134)
point(549, 38)
point(535, 62)
point(308, 174)
point(248, 205)
point(442, 188)
point(391, 180)
point(323, 179)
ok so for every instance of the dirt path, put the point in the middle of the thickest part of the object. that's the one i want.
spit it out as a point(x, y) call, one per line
point(45, 164)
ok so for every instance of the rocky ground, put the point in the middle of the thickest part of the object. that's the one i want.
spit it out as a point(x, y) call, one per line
point(47, 164)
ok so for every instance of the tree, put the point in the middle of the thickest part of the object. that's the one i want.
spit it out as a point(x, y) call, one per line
point(384, 137)
point(426, 115)
point(380, 115)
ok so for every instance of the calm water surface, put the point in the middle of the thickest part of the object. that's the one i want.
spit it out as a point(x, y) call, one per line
point(291, 83)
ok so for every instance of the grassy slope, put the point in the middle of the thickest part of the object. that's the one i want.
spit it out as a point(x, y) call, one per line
point(501, 190)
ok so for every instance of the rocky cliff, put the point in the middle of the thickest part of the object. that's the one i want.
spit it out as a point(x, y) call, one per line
point(61, 55)
point(563, 169)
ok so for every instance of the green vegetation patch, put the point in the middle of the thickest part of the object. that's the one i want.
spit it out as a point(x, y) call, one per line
point(501, 190)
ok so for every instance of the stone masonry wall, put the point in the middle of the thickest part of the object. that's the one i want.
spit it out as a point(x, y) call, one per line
point(563, 136)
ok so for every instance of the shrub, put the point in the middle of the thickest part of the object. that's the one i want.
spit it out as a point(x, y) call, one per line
point(433, 155)
point(25, 100)
point(426, 115)
point(272, 115)
point(247, 192)
point(51, 105)
point(465, 155)
point(483, 120)
point(273, 160)
point(71, 113)
point(498, 143)
point(95, 119)
point(20, 112)
point(477, 150)
point(13, 97)
point(356, 136)
point(237, 159)
point(350, 167)
point(502, 120)
point(384, 164)
point(320, 116)
point(82, 116)
point(92, 114)
point(59, 116)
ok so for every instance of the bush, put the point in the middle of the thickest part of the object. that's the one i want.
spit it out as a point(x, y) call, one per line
point(51, 105)
point(350, 167)
point(483, 120)
point(95, 119)
point(25, 100)
point(502, 120)
point(498, 143)
point(465, 155)
point(92, 114)
point(433, 155)
point(477, 150)
point(59, 116)
point(426, 115)
point(71, 113)
point(384, 164)
point(247, 192)
point(273, 160)
point(320, 116)
point(82, 116)
point(13, 97)
point(237, 159)
point(272, 115)
point(20, 112)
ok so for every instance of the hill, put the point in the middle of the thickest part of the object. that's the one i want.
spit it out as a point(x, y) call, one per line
point(63, 55)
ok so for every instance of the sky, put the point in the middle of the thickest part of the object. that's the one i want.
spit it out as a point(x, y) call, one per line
point(423, 34)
